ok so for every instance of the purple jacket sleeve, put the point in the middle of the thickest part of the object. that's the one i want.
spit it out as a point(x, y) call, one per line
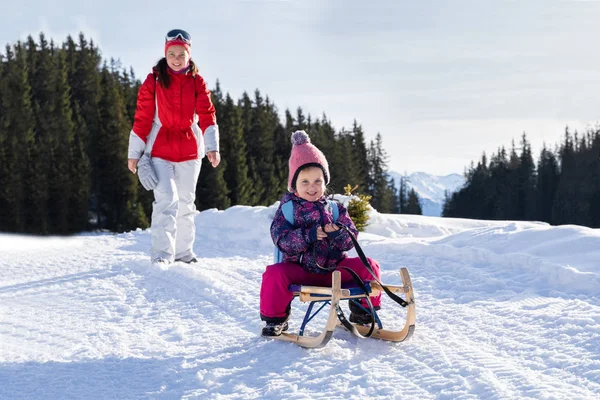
point(288, 239)
point(340, 240)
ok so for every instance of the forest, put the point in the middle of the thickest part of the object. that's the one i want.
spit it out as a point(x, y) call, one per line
point(65, 119)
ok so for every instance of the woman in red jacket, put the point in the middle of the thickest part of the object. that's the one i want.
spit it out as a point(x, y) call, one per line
point(174, 127)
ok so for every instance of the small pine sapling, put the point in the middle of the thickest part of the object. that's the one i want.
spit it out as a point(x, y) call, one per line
point(358, 208)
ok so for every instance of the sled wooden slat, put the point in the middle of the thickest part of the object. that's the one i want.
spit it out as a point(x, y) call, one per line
point(319, 290)
point(392, 288)
point(308, 297)
point(345, 295)
point(320, 293)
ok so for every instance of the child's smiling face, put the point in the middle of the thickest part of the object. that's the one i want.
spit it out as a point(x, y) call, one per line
point(310, 184)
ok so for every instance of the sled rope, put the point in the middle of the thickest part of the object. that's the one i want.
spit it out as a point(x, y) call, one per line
point(340, 314)
point(364, 260)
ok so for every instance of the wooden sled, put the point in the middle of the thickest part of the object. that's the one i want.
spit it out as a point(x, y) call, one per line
point(336, 293)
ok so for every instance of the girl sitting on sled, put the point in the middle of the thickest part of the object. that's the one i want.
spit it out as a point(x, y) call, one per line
point(314, 245)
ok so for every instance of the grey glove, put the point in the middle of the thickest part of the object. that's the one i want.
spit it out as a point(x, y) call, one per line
point(146, 173)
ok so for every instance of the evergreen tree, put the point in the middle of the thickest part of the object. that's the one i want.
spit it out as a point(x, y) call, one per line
point(253, 152)
point(345, 155)
point(510, 196)
point(360, 155)
point(413, 205)
point(280, 159)
point(477, 200)
point(79, 199)
point(282, 147)
point(43, 160)
point(395, 190)
point(500, 187)
point(587, 162)
point(402, 203)
point(262, 134)
point(358, 210)
point(446, 210)
point(18, 131)
point(526, 183)
point(84, 79)
point(568, 207)
point(80, 176)
point(233, 145)
point(130, 88)
point(4, 145)
point(547, 183)
point(290, 124)
point(594, 178)
point(326, 141)
point(392, 196)
point(383, 196)
point(61, 127)
point(212, 191)
point(301, 122)
point(117, 186)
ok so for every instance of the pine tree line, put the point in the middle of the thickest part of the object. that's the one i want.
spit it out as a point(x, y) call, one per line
point(65, 118)
point(63, 124)
point(563, 187)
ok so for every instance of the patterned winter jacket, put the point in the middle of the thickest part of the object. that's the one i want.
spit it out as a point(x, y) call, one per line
point(299, 243)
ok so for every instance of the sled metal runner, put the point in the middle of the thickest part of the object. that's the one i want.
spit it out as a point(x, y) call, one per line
point(333, 296)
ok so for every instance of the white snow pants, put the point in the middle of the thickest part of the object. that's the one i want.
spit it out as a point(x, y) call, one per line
point(173, 210)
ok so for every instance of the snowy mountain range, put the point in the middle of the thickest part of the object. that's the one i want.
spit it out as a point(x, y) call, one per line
point(431, 189)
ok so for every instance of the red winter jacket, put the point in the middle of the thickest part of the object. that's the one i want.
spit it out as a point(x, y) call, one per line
point(173, 109)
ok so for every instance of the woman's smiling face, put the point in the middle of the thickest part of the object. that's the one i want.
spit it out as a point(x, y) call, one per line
point(177, 57)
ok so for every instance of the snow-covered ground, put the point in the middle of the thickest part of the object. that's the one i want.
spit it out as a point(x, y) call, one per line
point(505, 310)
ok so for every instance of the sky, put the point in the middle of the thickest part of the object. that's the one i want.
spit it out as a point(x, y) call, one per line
point(442, 82)
point(504, 310)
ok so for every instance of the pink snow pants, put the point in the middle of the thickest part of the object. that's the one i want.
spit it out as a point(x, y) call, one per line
point(275, 296)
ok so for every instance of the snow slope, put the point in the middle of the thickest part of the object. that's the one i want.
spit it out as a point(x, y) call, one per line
point(505, 310)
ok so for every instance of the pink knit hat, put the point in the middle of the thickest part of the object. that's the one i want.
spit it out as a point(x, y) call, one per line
point(305, 154)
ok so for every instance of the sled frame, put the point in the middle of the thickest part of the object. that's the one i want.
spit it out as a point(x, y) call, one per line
point(333, 295)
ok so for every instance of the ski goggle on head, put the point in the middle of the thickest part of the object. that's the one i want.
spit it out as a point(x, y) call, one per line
point(179, 34)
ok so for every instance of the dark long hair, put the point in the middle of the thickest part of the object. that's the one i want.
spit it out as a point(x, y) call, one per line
point(161, 68)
